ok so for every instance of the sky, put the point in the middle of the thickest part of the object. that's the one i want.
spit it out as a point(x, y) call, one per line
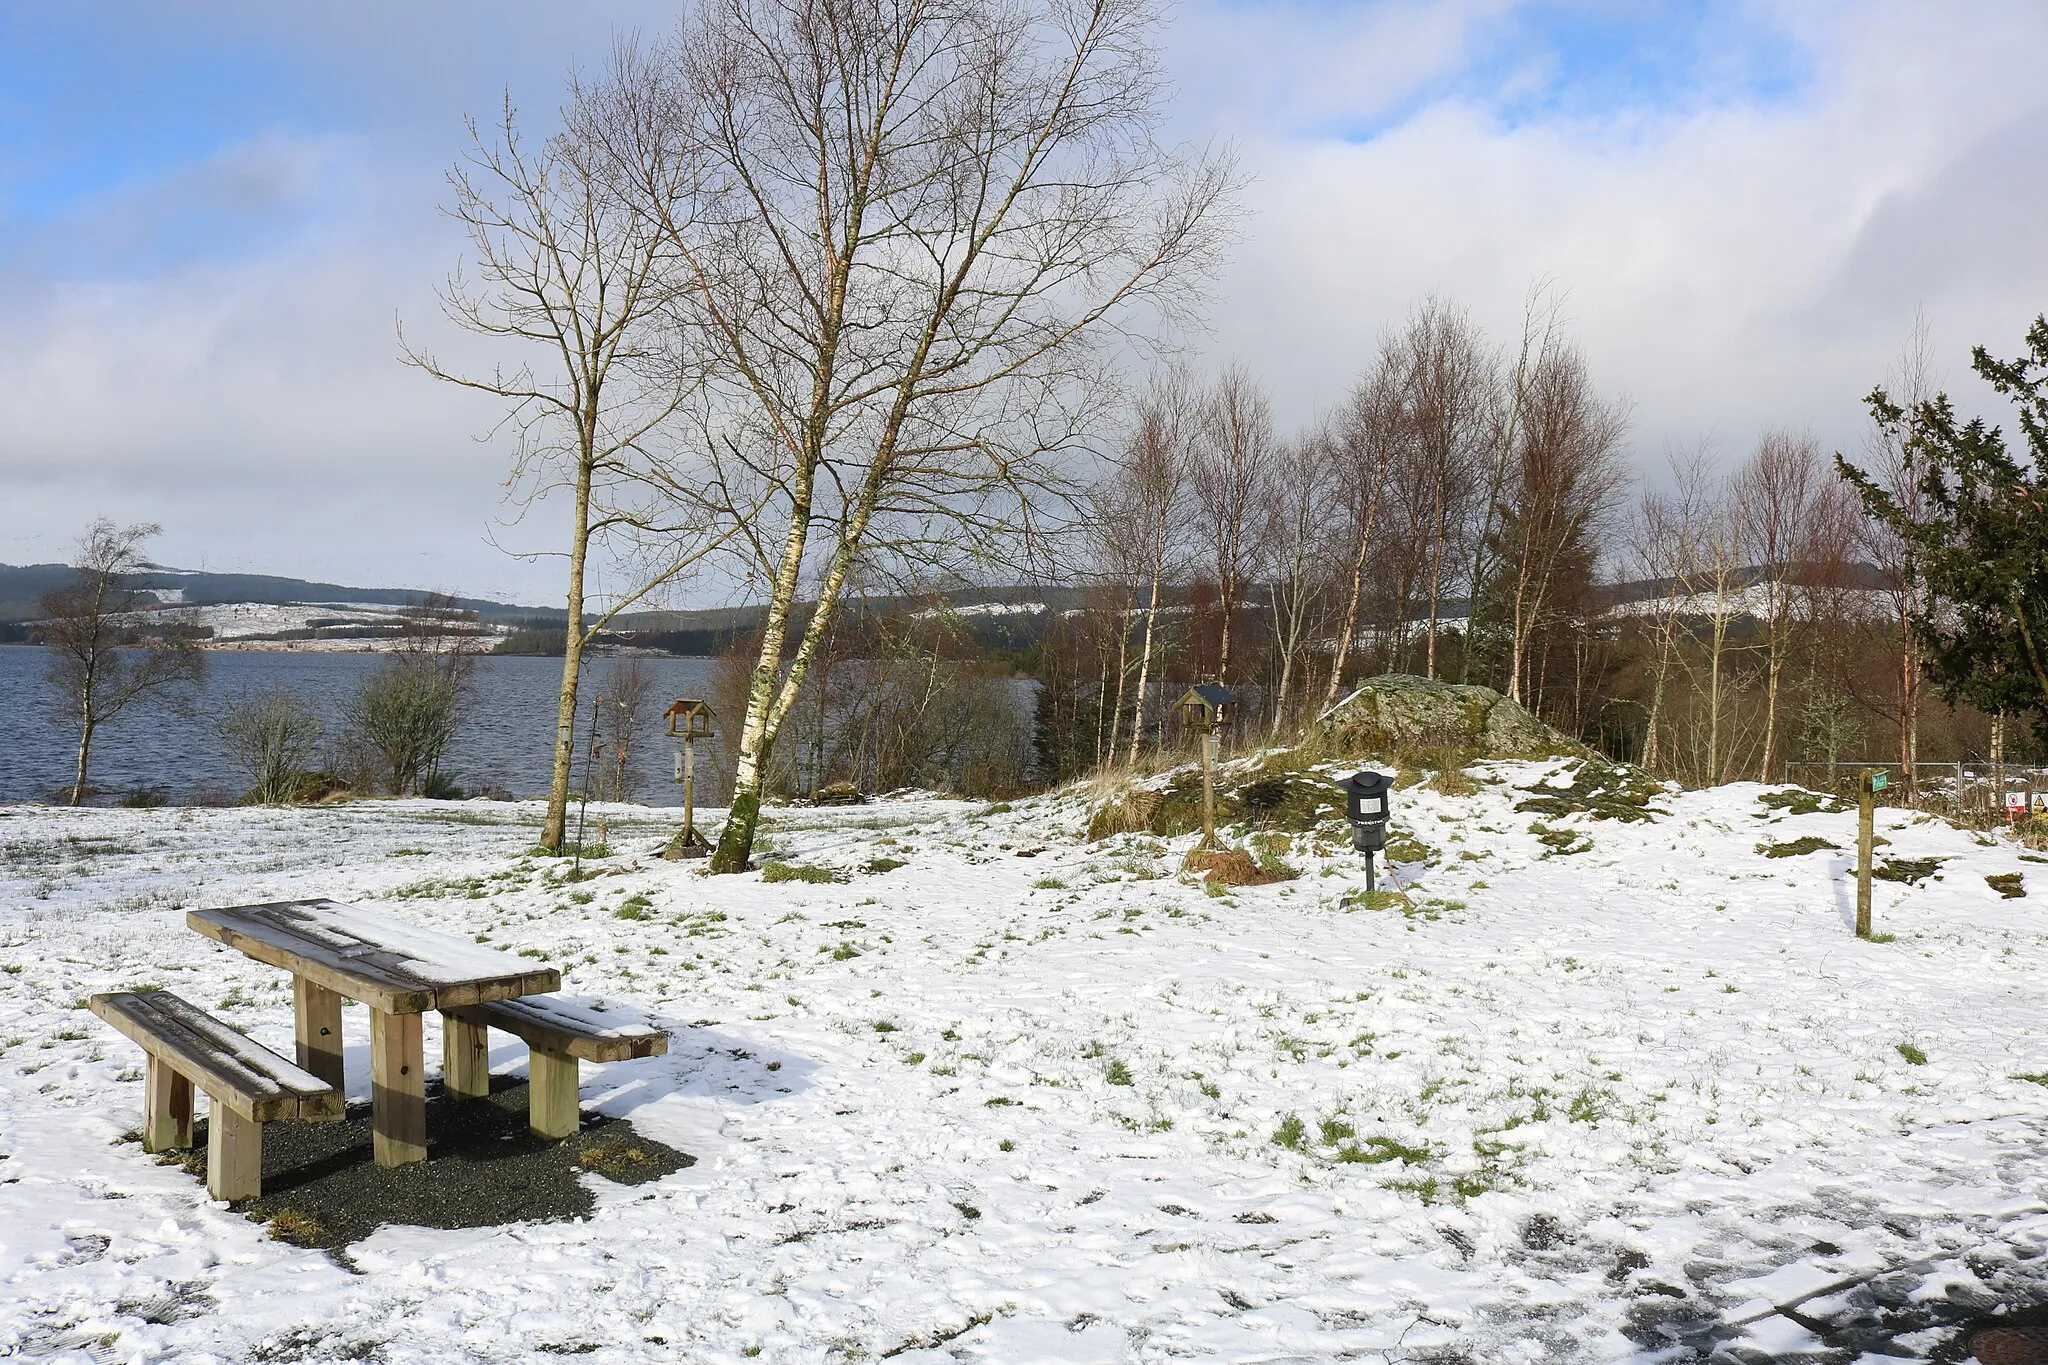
point(214, 216)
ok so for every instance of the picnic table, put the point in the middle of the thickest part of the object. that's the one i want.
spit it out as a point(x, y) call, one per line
point(399, 970)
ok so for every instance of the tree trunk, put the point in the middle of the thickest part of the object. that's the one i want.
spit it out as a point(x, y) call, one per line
point(84, 753)
point(554, 828)
point(736, 840)
point(1145, 668)
point(1774, 667)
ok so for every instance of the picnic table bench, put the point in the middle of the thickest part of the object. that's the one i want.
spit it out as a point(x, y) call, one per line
point(557, 1034)
point(399, 970)
point(248, 1083)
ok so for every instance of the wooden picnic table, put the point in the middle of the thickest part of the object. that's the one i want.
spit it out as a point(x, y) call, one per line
point(399, 970)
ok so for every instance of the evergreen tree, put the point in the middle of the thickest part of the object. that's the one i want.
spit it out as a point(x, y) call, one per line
point(1982, 538)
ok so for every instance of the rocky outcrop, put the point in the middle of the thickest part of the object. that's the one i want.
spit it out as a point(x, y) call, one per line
point(1403, 714)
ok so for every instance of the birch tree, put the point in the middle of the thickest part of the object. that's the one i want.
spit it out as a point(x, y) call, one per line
point(1235, 451)
point(1151, 505)
point(903, 236)
point(1365, 439)
point(1778, 491)
point(100, 664)
point(1559, 489)
point(570, 273)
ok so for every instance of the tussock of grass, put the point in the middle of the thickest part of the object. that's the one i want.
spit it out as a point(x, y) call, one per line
point(797, 872)
point(1796, 848)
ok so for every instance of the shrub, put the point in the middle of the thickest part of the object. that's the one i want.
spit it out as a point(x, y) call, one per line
point(272, 736)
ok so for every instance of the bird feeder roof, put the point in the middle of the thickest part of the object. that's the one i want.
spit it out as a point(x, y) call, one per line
point(1209, 694)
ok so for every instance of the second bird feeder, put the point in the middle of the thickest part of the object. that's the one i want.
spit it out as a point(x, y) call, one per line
point(1207, 707)
point(689, 720)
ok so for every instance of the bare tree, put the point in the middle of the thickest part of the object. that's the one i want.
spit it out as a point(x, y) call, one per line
point(1365, 443)
point(1557, 494)
point(1894, 457)
point(1664, 551)
point(409, 711)
point(900, 233)
point(1234, 453)
point(1450, 400)
point(1150, 505)
point(100, 662)
point(1777, 491)
point(1296, 537)
point(628, 688)
point(572, 268)
point(1542, 308)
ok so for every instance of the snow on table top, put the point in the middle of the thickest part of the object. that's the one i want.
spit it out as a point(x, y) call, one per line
point(374, 952)
point(1033, 1101)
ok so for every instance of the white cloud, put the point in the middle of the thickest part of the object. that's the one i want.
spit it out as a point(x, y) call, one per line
point(213, 348)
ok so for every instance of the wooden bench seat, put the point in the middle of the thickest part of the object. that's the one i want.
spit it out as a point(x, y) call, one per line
point(248, 1084)
point(558, 1035)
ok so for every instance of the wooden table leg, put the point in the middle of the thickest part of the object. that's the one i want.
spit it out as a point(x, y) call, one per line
point(398, 1088)
point(317, 1012)
point(551, 1094)
point(166, 1108)
point(234, 1155)
point(465, 1058)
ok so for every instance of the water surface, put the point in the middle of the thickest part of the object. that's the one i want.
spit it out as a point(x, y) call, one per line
point(506, 743)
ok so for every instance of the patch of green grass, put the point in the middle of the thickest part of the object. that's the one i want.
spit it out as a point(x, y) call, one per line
point(1801, 802)
point(1913, 1054)
point(1558, 843)
point(797, 872)
point(1606, 791)
point(1291, 1133)
point(1116, 1073)
point(883, 1026)
point(877, 865)
point(400, 853)
point(1335, 1130)
point(913, 1059)
point(634, 907)
point(1375, 1151)
point(2011, 885)
point(1911, 871)
point(1048, 884)
point(845, 951)
point(1796, 848)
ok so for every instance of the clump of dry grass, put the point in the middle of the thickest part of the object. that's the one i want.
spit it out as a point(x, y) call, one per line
point(1229, 866)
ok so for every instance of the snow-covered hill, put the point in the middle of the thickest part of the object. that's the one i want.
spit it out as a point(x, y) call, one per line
point(1596, 1089)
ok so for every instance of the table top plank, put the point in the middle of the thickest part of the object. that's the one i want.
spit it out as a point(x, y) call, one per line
point(384, 962)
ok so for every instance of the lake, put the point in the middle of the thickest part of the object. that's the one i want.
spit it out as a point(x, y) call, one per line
point(506, 743)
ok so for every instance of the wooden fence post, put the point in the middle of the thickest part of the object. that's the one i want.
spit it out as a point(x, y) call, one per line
point(1866, 819)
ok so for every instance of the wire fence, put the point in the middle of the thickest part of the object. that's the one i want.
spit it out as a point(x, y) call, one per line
point(1981, 787)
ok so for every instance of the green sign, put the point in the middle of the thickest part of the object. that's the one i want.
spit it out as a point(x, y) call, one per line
point(1878, 782)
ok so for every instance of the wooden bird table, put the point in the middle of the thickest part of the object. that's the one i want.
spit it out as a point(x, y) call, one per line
point(399, 970)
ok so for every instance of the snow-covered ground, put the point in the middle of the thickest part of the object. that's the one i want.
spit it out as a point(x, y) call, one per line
point(1618, 1096)
point(257, 625)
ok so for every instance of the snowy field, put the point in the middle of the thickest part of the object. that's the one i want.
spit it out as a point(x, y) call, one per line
point(1595, 1091)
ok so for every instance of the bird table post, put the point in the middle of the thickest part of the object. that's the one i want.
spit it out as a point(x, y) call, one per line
point(689, 720)
point(1871, 783)
point(1207, 707)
